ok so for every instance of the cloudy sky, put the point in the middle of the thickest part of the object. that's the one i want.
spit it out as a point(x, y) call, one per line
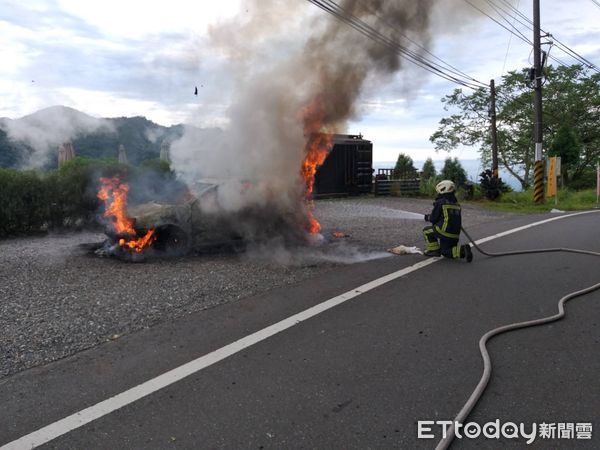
point(144, 58)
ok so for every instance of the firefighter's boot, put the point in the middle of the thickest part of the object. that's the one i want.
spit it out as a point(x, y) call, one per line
point(465, 252)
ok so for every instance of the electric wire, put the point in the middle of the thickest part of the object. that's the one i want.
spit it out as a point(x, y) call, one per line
point(503, 14)
point(595, 2)
point(518, 35)
point(513, 12)
point(462, 415)
point(395, 28)
point(559, 44)
point(367, 30)
point(508, 46)
point(506, 15)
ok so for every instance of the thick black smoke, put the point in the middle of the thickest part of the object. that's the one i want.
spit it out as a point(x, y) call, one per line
point(286, 57)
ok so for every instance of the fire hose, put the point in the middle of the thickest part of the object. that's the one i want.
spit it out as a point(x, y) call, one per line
point(462, 415)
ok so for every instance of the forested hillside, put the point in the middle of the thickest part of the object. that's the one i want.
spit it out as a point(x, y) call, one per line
point(32, 141)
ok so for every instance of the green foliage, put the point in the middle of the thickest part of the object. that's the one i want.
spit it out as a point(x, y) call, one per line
point(492, 187)
point(141, 138)
point(571, 99)
point(33, 201)
point(428, 171)
point(586, 180)
point(566, 145)
point(24, 199)
point(11, 155)
point(158, 166)
point(66, 197)
point(427, 187)
point(568, 200)
point(77, 182)
point(404, 167)
point(453, 170)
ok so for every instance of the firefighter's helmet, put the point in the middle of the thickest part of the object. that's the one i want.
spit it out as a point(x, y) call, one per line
point(445, 186)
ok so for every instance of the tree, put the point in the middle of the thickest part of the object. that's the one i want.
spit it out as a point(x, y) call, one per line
point(453, 170)
point(491, 187)
point(566, 145)
point(404, 167)
point(571, 96)
point(159, 166)
point(428, 171)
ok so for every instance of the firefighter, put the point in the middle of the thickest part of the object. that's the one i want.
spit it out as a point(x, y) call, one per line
point(441, 237)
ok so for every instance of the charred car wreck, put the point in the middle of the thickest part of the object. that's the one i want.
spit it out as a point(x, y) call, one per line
point(202, 222)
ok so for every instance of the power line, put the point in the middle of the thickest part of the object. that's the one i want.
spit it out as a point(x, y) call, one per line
point(347, 17)
point(559, 44)
point(395, 28)
point(362, 27)
point(520, 36)
point(595, 2)
point(508, 45)
point(506, 14)
point(502, 13)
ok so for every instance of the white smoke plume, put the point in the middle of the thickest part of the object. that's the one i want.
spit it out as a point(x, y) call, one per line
point(45, 130)
point(298, 71)
point(276, 251)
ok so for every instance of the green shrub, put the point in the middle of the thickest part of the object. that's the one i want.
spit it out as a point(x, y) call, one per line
point(453, 170)
point(428, 172)
point(66, 197)
point(157, 165)
point(33, 201)
point(404, 168)
point(586, 180)
point(568, 200)
point(427, 187)
point(23, 200)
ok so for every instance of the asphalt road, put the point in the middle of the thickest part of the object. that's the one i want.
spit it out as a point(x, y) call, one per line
point(359, 375)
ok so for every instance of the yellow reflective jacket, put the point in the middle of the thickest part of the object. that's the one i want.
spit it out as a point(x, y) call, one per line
point(446, 216)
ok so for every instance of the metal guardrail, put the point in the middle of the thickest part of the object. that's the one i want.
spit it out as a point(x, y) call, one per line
point(383, 187)
point(397, 187)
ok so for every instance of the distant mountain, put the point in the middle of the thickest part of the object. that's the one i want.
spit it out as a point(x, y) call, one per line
point(33, 140)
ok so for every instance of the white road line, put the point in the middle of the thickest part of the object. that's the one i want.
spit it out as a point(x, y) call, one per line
point(535, 224)
point(80, 418)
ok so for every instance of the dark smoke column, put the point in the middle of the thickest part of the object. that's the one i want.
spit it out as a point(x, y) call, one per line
point(340, 60)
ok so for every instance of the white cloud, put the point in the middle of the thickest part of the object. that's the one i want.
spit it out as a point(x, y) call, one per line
point(134, 57)
point(136, 19)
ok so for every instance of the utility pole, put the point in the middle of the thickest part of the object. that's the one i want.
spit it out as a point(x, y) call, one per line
point(494, 129)
point(538, 175)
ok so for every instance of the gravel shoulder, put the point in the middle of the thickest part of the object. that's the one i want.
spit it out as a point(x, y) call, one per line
point(57, 299)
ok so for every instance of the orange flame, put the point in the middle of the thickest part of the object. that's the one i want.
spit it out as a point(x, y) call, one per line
point(318, 144)
point(114, 195)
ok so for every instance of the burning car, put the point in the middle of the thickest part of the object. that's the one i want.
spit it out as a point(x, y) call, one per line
point(214, 212)
point(203, 220)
